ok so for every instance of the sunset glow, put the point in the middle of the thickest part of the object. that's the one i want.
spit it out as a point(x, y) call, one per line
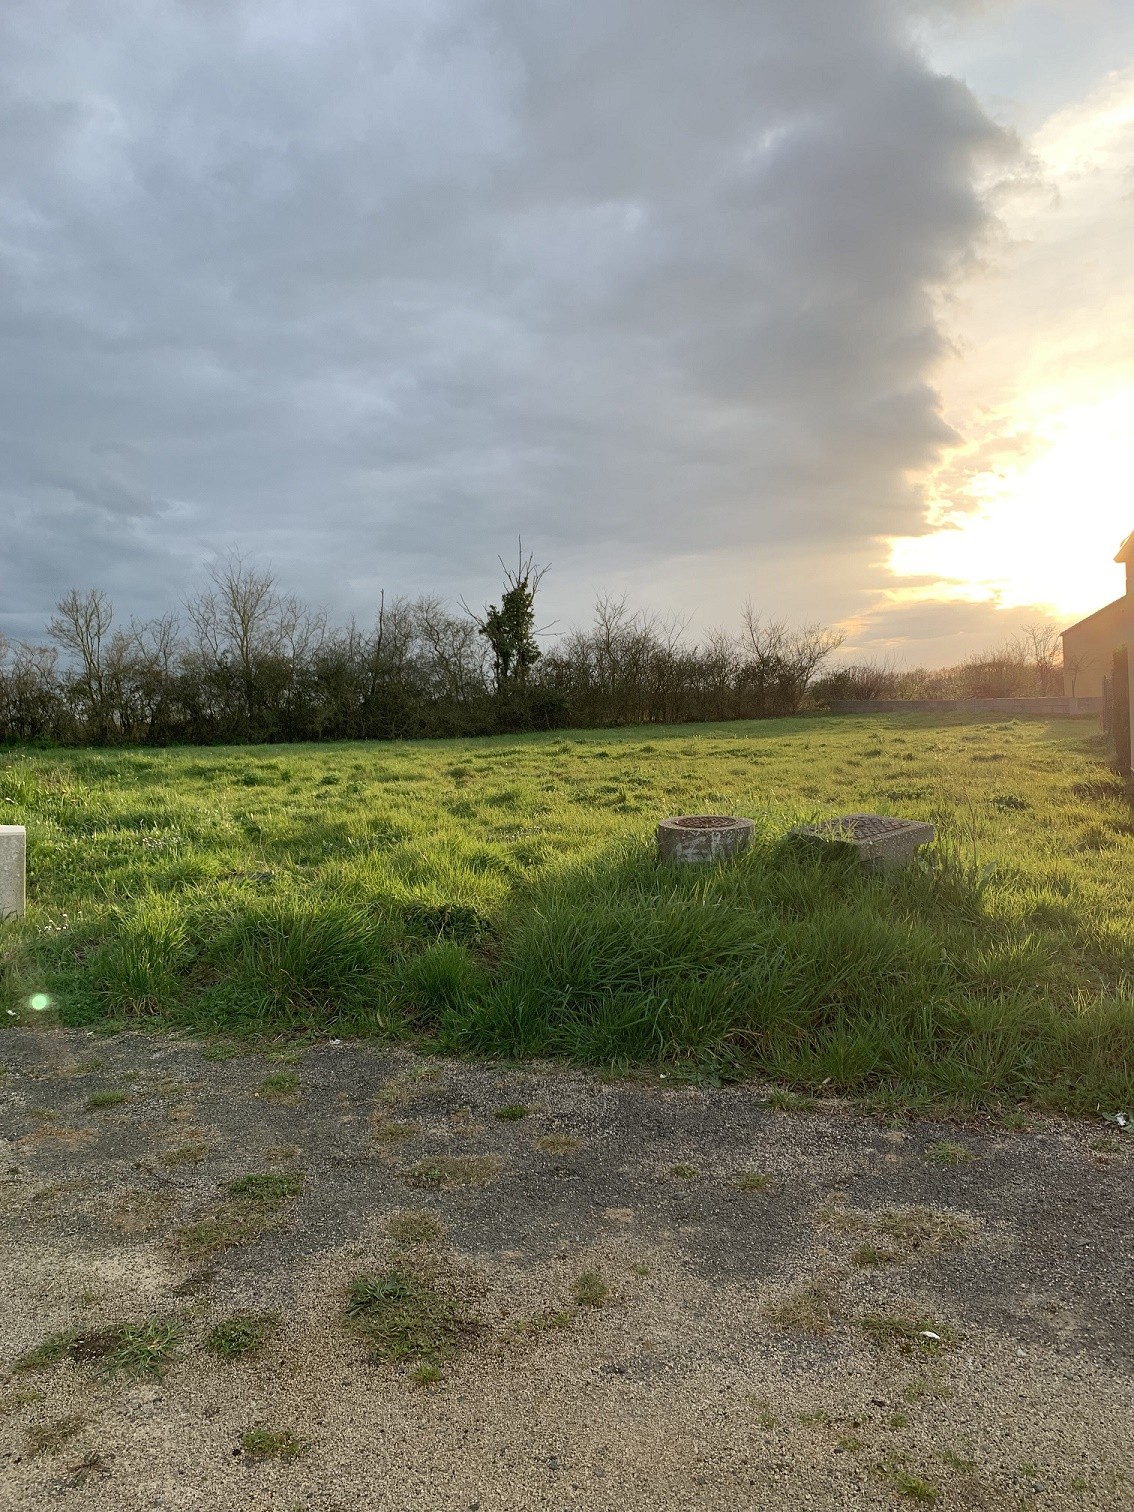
point(1043, 532)
point(1029, 509)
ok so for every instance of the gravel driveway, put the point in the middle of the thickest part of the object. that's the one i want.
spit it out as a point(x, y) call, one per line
point(351, 1279)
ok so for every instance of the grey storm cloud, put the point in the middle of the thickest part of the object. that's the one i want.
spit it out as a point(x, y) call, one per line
point(370, 286)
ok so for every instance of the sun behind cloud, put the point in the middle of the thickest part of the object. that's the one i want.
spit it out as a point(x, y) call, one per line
point(1043, 531)
point(1031, 508)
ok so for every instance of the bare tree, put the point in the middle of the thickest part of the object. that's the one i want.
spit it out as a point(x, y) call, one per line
point(239, 624)
point(81, 624)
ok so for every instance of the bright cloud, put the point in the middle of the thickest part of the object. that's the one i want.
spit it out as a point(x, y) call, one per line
point(1030, 510)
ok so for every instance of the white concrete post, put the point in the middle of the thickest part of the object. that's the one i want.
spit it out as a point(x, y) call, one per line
point(13, 861)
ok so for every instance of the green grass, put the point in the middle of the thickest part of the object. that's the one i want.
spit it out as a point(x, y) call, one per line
point(908, 1334)
point(283, 1086)
point(590, 1290)
point(134, 1350)
point(406, 1318)
point(241, 1335)
point(267, 1186)
point(268, 1443)
point(255, 1204)
point(416, 1228)
point(99, 1100)
point(501, 897)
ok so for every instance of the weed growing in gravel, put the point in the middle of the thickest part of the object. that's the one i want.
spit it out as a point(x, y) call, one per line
point(404, 1317)
point(99, 1100)
point(23, 1396)
point(590, 1290)
point(242, 1334)
point(416, 1228)
point(49, 1438)
point(225, 1050)
point(267, 1443)
point(893, 1469)
point(948, 1152)
point(1015, 1120)
point(684, 1172)
point(544, 1322)
point(762, 1414)
point(134, 1350)
point(784, 1100)
point(909, 1333)
point(255, 1205)
point(267, 1186)
point(753, 1181)
point(955, 1461)
point(388, 1131)
point(920, 1390)
point(558, 1144)
point(49, 1351)
point(512, 1112)
point(281, 1086)
point(806, 1310)
point(900, 1234)
point(870, 1254)
point(445, 1172)
point(186, 1154)
point(426, 1374)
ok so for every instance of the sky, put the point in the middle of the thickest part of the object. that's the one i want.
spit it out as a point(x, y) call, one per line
point(823, 307)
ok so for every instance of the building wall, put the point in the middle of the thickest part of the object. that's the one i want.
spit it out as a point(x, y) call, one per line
point(1088, 651)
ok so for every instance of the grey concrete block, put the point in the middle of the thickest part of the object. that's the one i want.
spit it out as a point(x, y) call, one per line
point(702, 837)
point(883, 843)
point(13, 861)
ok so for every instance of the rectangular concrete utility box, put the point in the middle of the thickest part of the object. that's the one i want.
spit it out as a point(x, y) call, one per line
point(13, 862)
point(883, 843)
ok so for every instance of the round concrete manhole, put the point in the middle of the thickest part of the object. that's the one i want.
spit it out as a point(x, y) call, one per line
point(702, 837)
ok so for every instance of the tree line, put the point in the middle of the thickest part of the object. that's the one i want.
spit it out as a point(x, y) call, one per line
point(248, 662)
point(1028, 665)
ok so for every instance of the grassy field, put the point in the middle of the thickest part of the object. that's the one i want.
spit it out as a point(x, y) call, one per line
point(501, 897)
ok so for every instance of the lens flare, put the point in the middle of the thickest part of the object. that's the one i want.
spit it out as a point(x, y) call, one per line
point(39, 1001)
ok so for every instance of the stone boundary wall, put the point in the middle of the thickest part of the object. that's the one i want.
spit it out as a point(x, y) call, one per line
point(1058, 706)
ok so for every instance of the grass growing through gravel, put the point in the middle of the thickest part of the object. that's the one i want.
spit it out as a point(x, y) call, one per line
point(99, 1100)
point(908, 1333)
point(416, 1228)
point(255, 1204)
point(590, 1290)
point(283, 1086)
point(753, 1181)
point(445, 1173)
point(806, 1310)
point(268, 1443)
point(501, 896)
point(241, 1335)
point(134, 1350)
point(183, 1155)
point(406, 1317)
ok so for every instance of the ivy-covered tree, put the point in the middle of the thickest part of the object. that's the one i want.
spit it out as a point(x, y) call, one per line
point(509, 627)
